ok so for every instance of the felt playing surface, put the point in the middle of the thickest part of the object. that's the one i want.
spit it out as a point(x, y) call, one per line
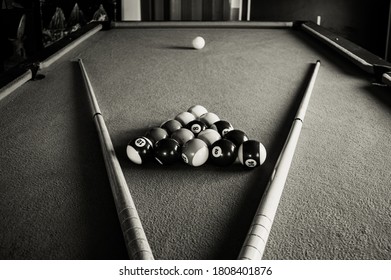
point(55, 198)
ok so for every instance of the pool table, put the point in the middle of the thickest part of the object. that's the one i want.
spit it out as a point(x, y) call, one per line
point(55, 197)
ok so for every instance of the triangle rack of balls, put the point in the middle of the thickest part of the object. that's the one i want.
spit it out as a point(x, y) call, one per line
point(196, 137)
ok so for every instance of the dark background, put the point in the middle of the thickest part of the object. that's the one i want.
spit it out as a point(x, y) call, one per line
point(364, 22)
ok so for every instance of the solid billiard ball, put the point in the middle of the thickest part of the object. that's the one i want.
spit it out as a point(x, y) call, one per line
point(209, 118)
point(185, 117)
point(223, 152)
point(156, 133)
point(198, 42)
point(222, 127)
point(182, 136)
point(167, 151)
point(197, 110)
point(139, 150)
point(195, 152)
point(252, 153)
point(196, 126)
point(236, 136)
point(171, 126)
point(209, 136)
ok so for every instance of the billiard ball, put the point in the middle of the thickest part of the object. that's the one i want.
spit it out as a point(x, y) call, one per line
point(209, 118)
point(222, 127)
point(167, 151)
point(236, 136)
point(171, 126)
point(223, 152)
point(185, 117)
point(196, 126)
point(198, 42)
point(252, 153)
point(139, 150)
point(209, 136)
point(195, 152)
point(156, 133)
point(197, 110)
point(182, 136)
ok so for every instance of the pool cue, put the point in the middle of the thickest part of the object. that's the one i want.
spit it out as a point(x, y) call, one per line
point(135, 238)
point(255, 243)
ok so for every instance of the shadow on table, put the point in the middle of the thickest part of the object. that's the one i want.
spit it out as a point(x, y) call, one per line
point(381, 93)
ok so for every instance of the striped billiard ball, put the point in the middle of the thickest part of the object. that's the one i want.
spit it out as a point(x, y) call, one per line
point(222, 127)
point(139, 150)
point(252, 153)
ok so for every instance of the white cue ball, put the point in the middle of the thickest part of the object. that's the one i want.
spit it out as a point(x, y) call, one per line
point(198, 43)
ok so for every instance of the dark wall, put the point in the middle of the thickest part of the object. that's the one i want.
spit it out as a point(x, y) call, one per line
point(361, 21)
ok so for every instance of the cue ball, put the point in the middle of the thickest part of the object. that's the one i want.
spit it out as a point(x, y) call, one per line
point(236, 136)
point(222, 127)
point(167, 151)
point(198, 43)
point(223, 152)
point(209, 118)
point(185, 117)
point(209, 136)
point(197, 110)
point(196, 126)
point(139, 150)
point(171, 126)
point(156, 133)
point(195, 152)
point(182, 136)
point(252, 153)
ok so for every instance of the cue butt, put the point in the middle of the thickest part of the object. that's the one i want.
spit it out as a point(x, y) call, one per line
point(134, 235)
point(258, 234)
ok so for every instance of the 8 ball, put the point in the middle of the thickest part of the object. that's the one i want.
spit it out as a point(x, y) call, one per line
point(196, 126)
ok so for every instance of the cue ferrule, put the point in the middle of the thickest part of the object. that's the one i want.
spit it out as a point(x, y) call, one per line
point(91, 94)
point(307, 94)
point(255, 243)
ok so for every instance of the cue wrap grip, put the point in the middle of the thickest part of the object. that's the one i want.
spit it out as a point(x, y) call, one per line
point(134, 235)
